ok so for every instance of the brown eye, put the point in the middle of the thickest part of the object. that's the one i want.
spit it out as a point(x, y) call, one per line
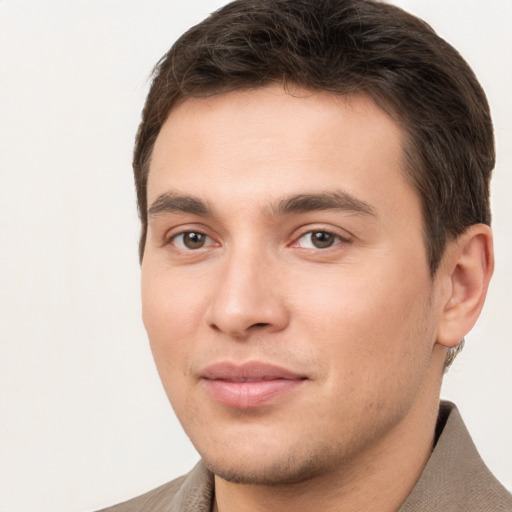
point(321, 239)
point(190, 240)
point(317, 240)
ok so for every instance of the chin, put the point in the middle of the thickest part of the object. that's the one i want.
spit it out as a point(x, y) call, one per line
point(280, 470)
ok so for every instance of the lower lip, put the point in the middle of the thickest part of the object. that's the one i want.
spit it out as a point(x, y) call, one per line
point(249, 395)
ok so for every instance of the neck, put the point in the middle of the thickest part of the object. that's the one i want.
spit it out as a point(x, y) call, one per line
point(379, 480)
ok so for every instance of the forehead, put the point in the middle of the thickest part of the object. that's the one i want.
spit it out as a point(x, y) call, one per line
point(268, 141)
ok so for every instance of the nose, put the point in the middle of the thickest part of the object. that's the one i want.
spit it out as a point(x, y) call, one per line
point(247, 299)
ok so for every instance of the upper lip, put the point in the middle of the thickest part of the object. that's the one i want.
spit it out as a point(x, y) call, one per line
point(252, 371)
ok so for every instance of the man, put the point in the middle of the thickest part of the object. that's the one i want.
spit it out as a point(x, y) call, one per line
point(313, 185)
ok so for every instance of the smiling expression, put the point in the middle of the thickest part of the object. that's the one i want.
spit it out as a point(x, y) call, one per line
point(286, 290)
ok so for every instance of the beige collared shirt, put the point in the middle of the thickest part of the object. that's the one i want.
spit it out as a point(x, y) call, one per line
point(455, 479)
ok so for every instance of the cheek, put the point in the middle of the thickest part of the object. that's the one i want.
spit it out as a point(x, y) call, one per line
point(172, 312)
point(169, 311)
point(368, 328)
point(170, 299)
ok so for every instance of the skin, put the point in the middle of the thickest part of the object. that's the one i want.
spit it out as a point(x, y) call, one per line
point(359, 318)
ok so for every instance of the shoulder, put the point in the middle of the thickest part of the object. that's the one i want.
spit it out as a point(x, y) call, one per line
point(156, 499)
point(455, 477)
point(192, 491)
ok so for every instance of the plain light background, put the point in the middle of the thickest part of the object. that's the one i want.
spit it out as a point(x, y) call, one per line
point(84, 421)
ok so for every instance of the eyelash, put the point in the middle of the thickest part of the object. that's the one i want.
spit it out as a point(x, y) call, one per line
point(338, 238)
point(208, 241)
point(173, 238)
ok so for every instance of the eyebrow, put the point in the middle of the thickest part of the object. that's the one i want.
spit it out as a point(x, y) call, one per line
point(335, 200)
point(171, 202)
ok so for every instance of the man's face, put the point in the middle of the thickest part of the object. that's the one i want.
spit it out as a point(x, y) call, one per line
point(286, 291)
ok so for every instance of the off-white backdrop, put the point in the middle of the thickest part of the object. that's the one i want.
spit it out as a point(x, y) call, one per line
point(84, 421)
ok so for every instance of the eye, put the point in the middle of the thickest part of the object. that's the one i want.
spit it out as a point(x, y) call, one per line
point(318, 240)
point(190, 240)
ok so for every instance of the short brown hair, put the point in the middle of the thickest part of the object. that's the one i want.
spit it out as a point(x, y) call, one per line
point(344, 46)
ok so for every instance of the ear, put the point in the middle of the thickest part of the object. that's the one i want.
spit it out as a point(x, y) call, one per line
point(466, 269)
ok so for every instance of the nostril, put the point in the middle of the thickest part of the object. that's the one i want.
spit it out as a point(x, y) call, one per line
point(260, 324)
